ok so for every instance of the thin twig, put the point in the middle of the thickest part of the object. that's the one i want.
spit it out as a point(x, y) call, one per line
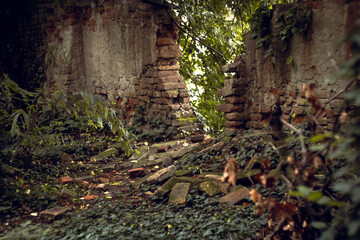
point(194, 37)
point(302, 142)
point(276, 230)
point(287, 181)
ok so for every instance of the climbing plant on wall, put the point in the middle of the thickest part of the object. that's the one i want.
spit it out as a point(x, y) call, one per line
point(212, 35)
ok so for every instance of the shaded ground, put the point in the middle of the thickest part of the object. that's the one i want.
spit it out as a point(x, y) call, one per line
point(107, 196)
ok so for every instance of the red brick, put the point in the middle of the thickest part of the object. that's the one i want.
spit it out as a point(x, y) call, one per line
point(169, 51)
point(169, 67)
point(136, 172)
point(108, 176)
point(236, 116)
point(160, 41)
point(170, 79)
point(226, 108)
point(162, 148)
point(256, 117)
point(230, 124)
point(265, 109)
point(170, 94)
point(65, 180)
point(293, 94)
point(234, 99)
point(171, 86)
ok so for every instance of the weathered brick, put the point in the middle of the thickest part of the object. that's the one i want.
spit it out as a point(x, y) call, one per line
point(256, 117)
point(256, 124)
point(161, 41)
point(301, 101)
point(234, 99)
point(226, 108)
point(167, 73)
point(293, 94)
point(266, 109)
point(169, 51)
point(289, 100)
point(144, 98)
point(174, 107)
point(184, 93)
point(169, 67)
point(230, 124)
point(170, 79)
point(156, 94)
point(298, 110)
point(236, 116)
point(171, 86)
point(170, 94)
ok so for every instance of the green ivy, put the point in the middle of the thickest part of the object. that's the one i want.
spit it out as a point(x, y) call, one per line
point(295, 20)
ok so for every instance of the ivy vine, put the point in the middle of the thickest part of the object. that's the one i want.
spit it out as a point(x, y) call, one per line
point(295, 20)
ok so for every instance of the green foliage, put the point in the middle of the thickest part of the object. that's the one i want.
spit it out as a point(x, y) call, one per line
point(155, 131)
point(47, 120)
point(212, 34)
point(295, 20)
point(205, 219)
point(37, 128)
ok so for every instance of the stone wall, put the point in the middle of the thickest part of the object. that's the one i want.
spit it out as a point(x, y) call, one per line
point(251, 94)
point(124, 50)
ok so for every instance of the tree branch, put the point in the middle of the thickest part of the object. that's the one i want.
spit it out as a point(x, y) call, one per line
point(276, 230)
point(195, 37)
point(302, 142)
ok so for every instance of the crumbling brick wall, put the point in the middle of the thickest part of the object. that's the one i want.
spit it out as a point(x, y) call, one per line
point(250, 95)
point(125, 51)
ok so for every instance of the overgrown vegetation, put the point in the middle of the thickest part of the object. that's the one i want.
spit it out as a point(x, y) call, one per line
point(307, 186)
point(212, 34)
point(295, 20)
point(39, 127)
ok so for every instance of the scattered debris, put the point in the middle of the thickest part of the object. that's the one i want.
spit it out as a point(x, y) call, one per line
point(65, 180)
point(55, 213)
point(236, 196)
point(136, 172)
point(68, 194)
point(162, 174)
point(179, 193)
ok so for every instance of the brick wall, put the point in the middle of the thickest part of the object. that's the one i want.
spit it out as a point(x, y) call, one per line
point(251, 93)
point(124, 51)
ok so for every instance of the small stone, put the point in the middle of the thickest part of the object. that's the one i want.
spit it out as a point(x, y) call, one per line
point(197, 138)
point(183, 172)
point(100, 186)
point(136, 172)
point(67, 193)
point(65, 180)
point(107, 153)
point(179, 193)
point(108, 168)
point(89, 178)
point(55, 213)
point(207, 141)
point(224, 187)
point(210, 188)
point(162, 174)
point(108, 176)
point(162, 148)
point(236, 196)
point(218, 146)
point(166, 187)
point(103, 180)
point(90, 197)
point(65, 158)
point(211, 177)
